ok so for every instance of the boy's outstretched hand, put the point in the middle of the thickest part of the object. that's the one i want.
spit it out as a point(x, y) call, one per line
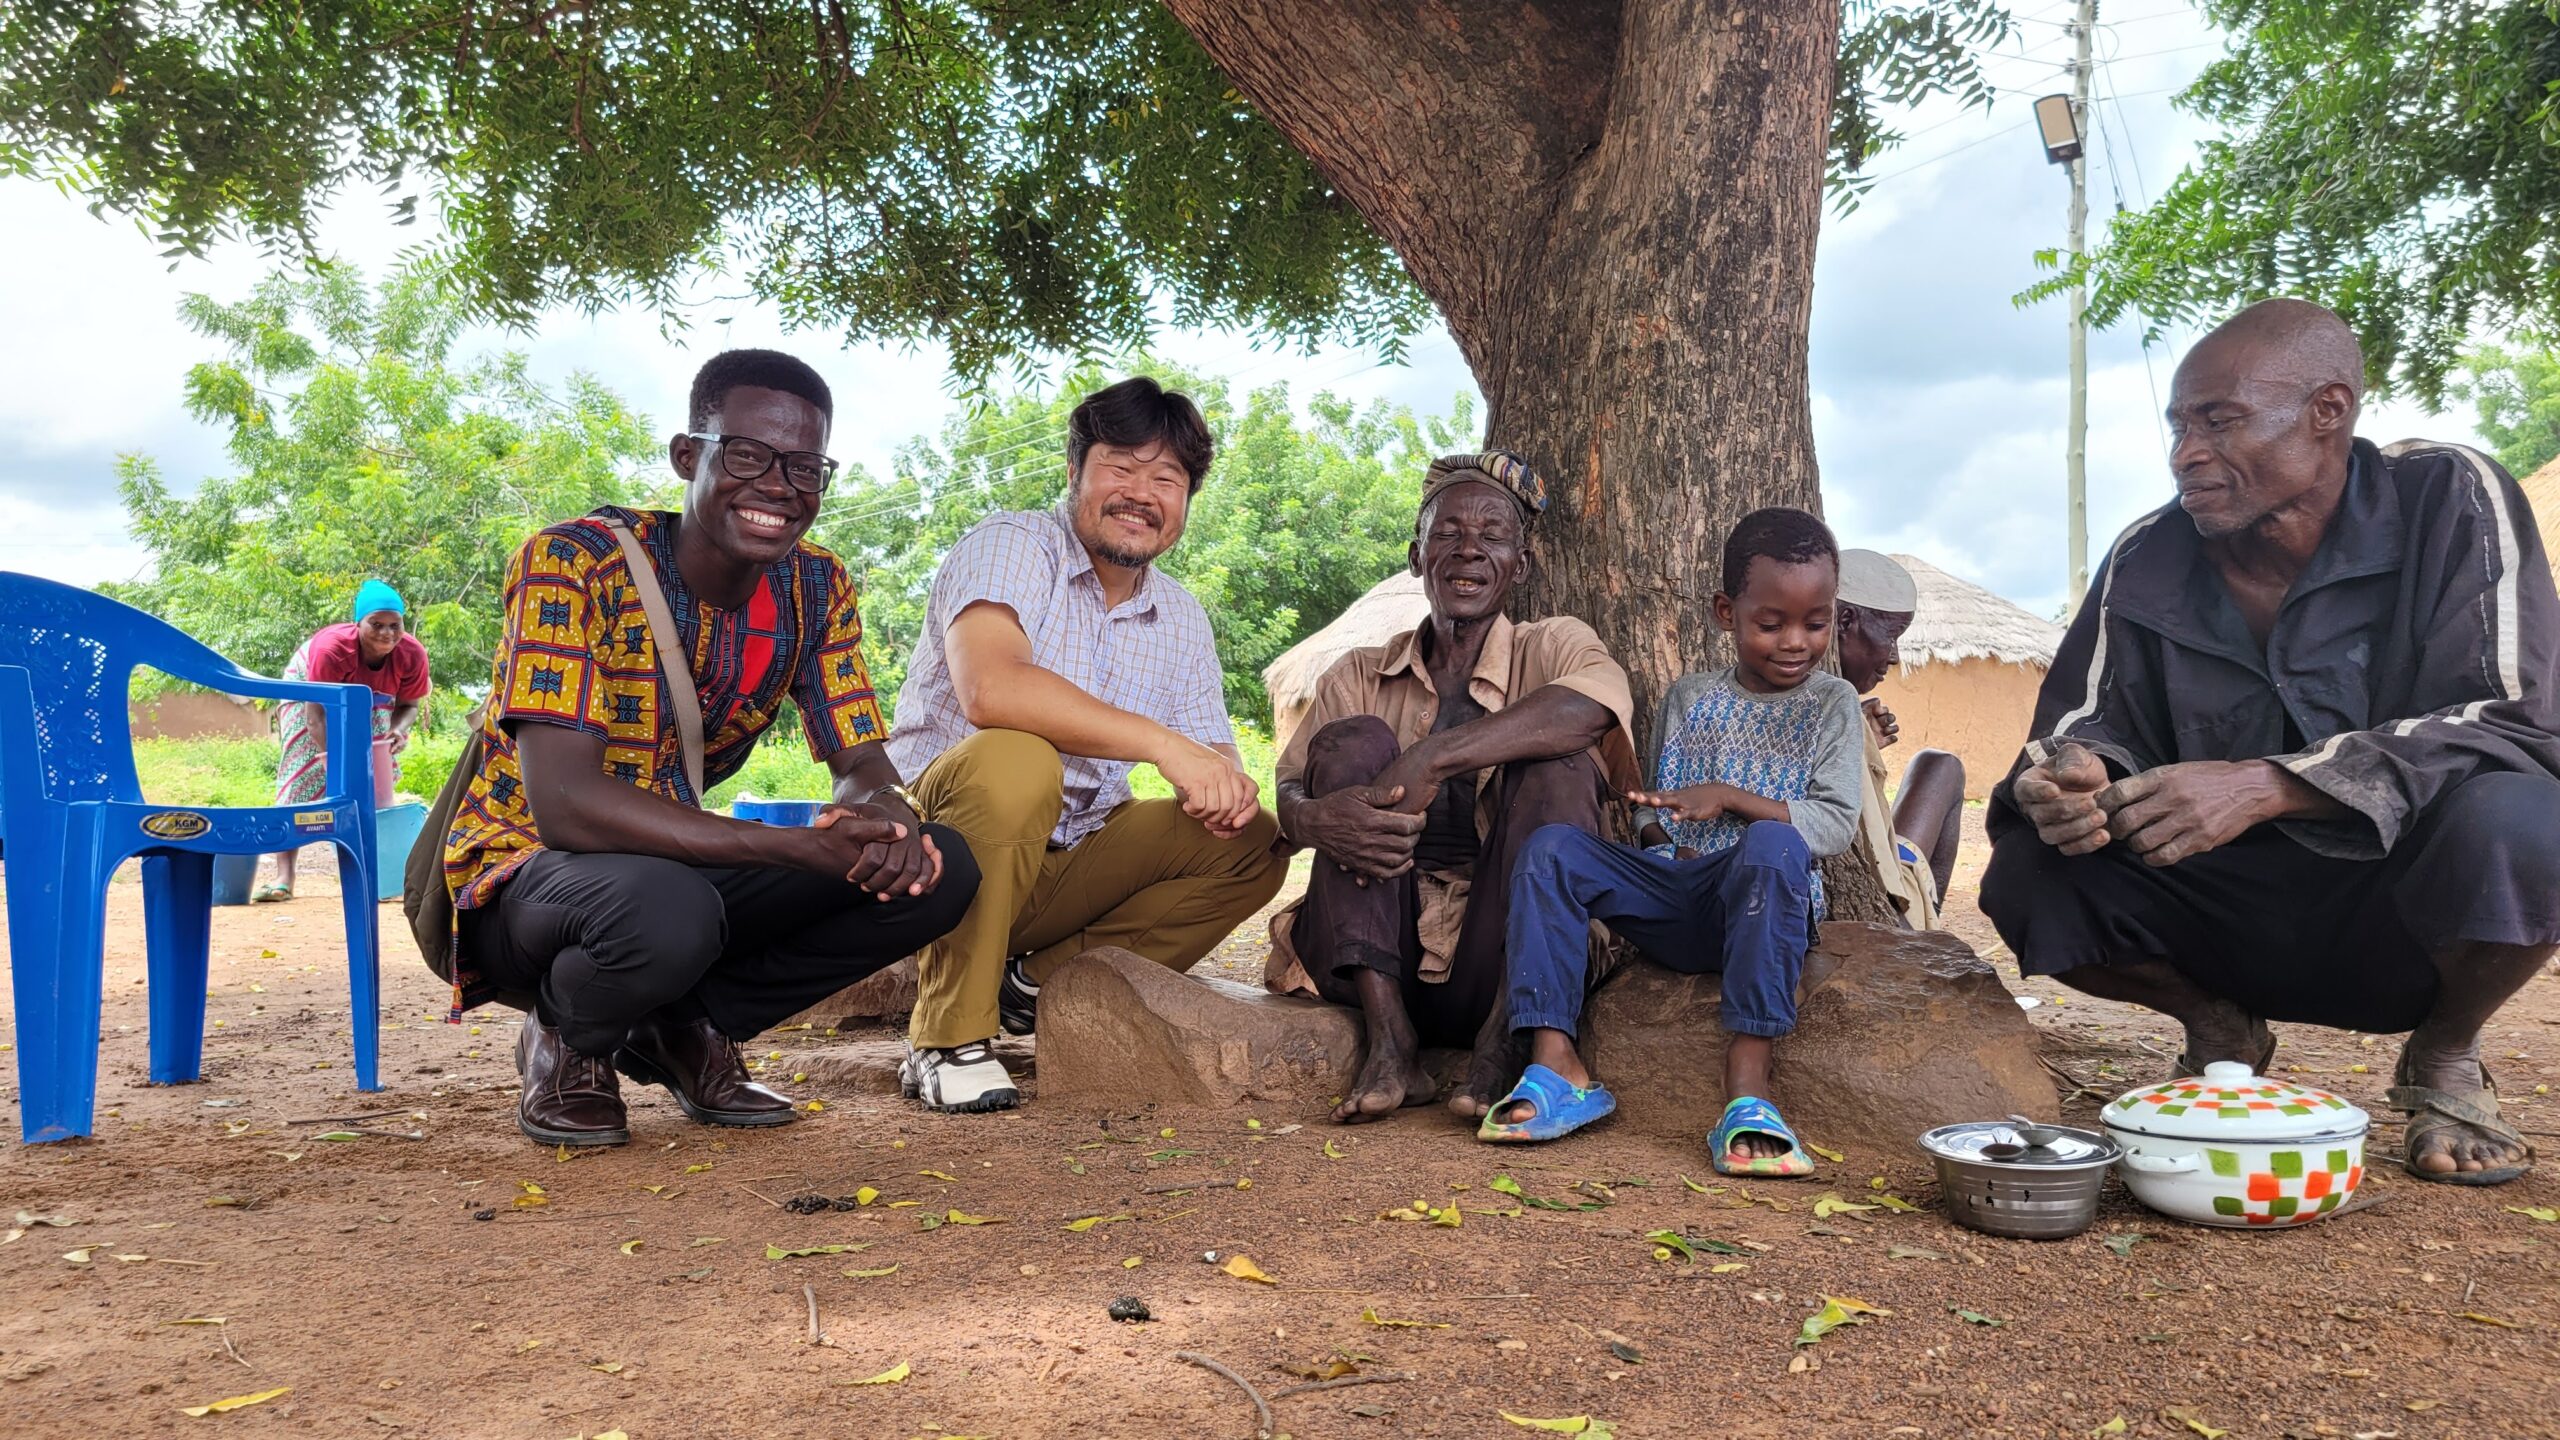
point(1699, 803)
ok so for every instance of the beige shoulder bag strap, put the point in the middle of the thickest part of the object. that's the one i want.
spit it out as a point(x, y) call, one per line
point(673, 663)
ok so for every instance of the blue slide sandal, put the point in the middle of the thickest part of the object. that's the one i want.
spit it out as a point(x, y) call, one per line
point(1557, 1108)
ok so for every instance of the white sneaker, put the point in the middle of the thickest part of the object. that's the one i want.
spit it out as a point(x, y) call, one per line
point(957, 1078)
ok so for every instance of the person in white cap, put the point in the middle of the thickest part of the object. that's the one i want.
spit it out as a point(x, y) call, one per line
point(1914, 839)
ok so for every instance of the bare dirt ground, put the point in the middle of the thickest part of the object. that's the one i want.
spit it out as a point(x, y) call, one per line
point(410, 1287)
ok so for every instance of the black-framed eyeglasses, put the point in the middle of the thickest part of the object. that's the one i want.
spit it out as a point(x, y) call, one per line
point(745, 459)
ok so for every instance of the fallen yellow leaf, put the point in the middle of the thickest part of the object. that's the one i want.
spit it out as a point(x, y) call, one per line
point(871, 1274)
point(608, 1367)
point(1333, 1151)
point(890, 1376)
point(1132, 1263)
point(938, 1175)
point(1567, 1425)
point(2112, 1427)
point(203, 1320)
point(1834, 1156)
point(630, 1247)
point(2482, 1319)
point(1830, 1205)
point(697, 1169)
point(236, 1402)
point(1728, 1267)
point(2547, 1214)
point(1090, 1221)
point(865, 1195)
point(1374, 1318)
point(530, 1188)
point(1243, 1268)
point(2193, 1419)
point(957, 1218)
point(1701, 1189)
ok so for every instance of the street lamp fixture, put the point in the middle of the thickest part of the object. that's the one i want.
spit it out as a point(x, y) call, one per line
point(2058, 123)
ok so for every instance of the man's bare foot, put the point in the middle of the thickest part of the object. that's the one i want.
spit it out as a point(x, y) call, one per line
point(1391, 1074)
point(1500, 1055)
point(2442, 1145)
point(1389, 1081)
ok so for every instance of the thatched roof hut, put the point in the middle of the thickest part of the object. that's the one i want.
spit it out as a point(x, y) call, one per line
point(1390, 608)
point(1971, 663)
point(2542, 489)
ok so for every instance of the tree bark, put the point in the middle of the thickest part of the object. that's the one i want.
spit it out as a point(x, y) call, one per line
point(1614, 203)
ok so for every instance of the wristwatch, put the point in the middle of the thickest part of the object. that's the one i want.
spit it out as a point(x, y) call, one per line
point(905, 796)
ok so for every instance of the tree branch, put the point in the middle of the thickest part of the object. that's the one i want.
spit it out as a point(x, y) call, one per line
point(1445, 123)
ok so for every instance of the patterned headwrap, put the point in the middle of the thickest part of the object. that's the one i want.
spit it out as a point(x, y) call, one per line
point(1500, 469)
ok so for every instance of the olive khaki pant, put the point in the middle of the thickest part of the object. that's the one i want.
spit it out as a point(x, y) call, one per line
point(1152, 880)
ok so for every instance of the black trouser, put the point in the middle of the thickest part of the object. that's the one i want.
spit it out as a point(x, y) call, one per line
point(604, 941)
point(2289, 934)
point(1347, 927)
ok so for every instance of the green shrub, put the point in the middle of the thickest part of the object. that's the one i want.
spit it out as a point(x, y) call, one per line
point(218, 771)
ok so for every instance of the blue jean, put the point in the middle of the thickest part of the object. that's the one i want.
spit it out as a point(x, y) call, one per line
point(1747, 912)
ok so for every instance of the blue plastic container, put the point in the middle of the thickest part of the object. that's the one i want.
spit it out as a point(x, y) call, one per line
point(776, 812)
point(395, 829)
point(232, 877)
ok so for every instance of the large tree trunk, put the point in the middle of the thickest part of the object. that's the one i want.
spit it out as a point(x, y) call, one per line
point(1614, 203)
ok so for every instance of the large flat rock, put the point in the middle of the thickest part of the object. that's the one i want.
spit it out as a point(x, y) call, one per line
point(884, 996)
point(1115, 1026)
point(1897, 1031)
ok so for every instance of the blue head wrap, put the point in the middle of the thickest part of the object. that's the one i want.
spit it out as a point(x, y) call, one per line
point(375, 596)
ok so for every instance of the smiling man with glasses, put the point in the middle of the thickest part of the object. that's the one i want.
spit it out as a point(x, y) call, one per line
point(647, 936)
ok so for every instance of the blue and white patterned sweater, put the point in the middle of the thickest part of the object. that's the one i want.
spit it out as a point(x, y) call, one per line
point(1801, 746)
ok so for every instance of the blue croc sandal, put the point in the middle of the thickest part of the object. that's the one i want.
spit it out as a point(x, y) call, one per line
point(1751, 1115)
point(1557, 1108)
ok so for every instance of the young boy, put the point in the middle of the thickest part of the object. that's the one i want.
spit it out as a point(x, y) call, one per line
point(1758, 772)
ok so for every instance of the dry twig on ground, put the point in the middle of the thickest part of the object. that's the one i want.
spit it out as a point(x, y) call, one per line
point(1383, 1377)
point(1261, 1407)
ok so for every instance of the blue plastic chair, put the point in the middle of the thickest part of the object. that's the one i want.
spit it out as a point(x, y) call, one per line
point(74, 812)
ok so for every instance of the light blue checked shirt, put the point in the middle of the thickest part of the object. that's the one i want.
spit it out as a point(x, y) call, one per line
point(1153, 654)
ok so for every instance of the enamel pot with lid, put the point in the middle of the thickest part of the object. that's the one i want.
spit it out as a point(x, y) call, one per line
point(2232, 1147)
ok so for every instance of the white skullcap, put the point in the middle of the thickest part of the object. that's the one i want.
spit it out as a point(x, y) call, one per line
point(1870, 580)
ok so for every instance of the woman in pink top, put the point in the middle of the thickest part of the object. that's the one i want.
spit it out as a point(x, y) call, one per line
point(374, 650)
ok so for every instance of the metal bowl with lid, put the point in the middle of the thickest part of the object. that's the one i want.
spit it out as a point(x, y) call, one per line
point(1996, 1182)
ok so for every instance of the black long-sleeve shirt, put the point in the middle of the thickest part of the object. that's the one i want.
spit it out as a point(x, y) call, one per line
point(2420, 648)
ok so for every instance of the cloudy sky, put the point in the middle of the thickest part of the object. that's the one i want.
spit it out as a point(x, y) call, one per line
point(1938, 405)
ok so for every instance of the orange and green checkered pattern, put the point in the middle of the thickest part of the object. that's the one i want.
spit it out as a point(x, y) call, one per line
point(2232, 1103)
point(2296, 1186)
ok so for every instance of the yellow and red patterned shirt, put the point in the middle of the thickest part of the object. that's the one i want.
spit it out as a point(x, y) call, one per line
point(578, 652)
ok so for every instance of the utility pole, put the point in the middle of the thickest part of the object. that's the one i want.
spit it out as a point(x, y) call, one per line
point(2076, 443)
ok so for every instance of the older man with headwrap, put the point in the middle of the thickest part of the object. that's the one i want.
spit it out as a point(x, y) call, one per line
point(1420, 770)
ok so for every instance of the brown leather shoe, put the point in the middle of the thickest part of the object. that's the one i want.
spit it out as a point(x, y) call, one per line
point(569, 1098)
point(701, 1068)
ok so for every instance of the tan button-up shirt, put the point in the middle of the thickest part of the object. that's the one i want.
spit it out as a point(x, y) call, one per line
point(1391, 682)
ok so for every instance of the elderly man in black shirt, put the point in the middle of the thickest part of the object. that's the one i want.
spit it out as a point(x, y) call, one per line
point(2296, 758)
